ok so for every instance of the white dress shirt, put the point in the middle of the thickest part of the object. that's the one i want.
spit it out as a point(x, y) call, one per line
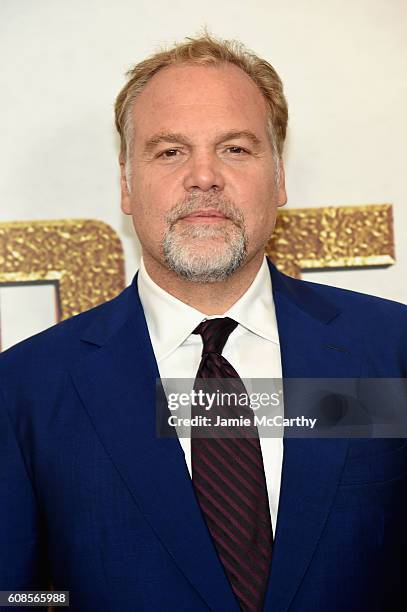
point(252, 348)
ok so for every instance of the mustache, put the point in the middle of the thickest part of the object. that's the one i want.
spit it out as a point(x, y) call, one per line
point(201, 202)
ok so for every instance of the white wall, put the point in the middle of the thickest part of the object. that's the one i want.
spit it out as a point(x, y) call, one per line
point(344, 67)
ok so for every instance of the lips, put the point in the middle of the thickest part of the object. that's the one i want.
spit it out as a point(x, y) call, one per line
point(208, 213)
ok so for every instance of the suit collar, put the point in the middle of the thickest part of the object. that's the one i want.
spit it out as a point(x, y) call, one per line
point(302, 295)
point(254, 310)
point(127, 306)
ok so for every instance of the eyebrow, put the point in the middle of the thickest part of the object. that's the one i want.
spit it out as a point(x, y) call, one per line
point(179, 138)
point(236, 134)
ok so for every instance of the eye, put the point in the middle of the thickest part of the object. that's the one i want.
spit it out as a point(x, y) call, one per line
point(236, 150)
point(168, 153)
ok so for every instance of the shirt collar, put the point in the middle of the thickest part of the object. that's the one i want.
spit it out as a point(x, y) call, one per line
point(170, 321)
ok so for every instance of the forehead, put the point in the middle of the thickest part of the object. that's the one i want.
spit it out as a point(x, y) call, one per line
point(222, 97)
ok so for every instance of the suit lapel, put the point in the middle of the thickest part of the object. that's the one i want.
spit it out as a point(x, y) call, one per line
point(311, 467)
point(117, 383)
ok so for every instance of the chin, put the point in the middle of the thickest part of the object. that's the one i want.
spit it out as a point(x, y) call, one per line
point(205, 266)
point(204, 253)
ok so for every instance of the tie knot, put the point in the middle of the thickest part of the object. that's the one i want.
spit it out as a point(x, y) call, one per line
point(214, 333)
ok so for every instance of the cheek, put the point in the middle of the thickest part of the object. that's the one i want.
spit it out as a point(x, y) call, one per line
point(149, 212)
point(153, 196)
point(263, 209)
point(261, 228)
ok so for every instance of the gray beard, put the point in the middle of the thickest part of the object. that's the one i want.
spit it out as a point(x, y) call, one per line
point(229, 250)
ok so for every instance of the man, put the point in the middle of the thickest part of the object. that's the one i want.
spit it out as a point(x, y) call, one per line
point(92, 500)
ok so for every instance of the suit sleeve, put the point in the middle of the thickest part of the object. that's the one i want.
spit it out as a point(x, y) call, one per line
point(21, 565)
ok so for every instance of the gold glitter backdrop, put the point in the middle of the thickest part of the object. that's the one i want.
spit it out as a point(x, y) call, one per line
point(84, 257)
point(332, 237)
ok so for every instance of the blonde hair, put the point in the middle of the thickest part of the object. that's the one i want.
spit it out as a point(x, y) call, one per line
point(205, 50)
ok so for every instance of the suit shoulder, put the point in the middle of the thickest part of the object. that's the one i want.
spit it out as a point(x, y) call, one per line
point(347, 298)
point(380, 321)
point(377, 325)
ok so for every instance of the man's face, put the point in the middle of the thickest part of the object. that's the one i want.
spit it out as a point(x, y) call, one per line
point(203, 191)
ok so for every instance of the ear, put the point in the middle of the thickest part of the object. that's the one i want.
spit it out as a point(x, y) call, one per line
point(124, 190)
point(282, 194)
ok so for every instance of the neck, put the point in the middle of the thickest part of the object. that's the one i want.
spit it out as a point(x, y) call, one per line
point(208, 298)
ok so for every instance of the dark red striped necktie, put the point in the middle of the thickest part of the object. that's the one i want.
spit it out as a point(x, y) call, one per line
point(229, 480)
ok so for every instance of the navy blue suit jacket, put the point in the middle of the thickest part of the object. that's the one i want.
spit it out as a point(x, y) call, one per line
point(91, 501)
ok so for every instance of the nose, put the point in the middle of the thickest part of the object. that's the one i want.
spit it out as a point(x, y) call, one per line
point(204, 173)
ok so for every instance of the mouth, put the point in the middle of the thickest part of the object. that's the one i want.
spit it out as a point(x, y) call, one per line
point(208, 215)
